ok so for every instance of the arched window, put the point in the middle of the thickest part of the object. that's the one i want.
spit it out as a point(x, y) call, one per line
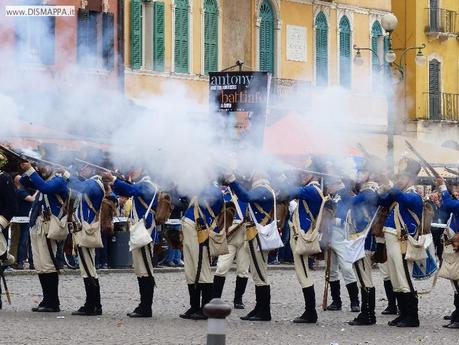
point(321, 50)
point(378, 66)
point(345, 52)
point(266, 37)
point(210, 36)
point(181, 36)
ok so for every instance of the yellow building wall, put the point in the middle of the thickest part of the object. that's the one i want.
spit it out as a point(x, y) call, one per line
point(413, 19)
point(141, 83)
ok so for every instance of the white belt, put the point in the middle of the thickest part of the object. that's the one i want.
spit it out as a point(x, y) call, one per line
point(20, 220)
point(390, 230)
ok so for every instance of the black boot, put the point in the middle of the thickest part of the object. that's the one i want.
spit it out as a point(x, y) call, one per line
point(89, 307)
point(206, 295)
point(51, 292)
point(367, 314)
point(264, 307)
point(241, 284)
point(146, 288)
point(195, 296)
point(401, 307)
point(454, 324)
point(97, 298)
point(335, 290)
point(310, 313)
point(257, 305)
point(43, 289)
point(411, 318)
point(217, 287)
point(353, 291)
point(392, 301)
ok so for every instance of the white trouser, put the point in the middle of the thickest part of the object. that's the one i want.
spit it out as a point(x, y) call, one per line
point(337, 262)
point(88, 256)
point(40, 252)
point(399, 278)
point(237, 247)
point(384, 271)
point(258, 264)
point(362, 270)
point(138, 260)
point(301, 265)
point(191, 255)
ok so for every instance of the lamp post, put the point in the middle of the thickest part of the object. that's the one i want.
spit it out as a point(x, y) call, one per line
point(389, 23)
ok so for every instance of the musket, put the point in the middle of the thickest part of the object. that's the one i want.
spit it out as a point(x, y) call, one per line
point(7, 292)
point(423, 161)
point(451, 171)
point(98, 167)
point(22, 158)
point(327, 280)
point(312, 172)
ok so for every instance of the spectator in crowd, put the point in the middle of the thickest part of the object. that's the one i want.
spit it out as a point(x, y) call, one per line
point(441, 216)
point(24, 199)
point(107, 212)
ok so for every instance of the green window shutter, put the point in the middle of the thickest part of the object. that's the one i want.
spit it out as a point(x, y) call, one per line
point(434, 90)
point(82, 34)
point(345, 52)
point(47, 40)
point(266, 37)
point(158, 37)
point(136, 34)
point(321, 50)
point(210, 36)
point(181, 36)
point(108, 40)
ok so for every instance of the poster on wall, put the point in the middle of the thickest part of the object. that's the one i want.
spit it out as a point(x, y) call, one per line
point(242, 97)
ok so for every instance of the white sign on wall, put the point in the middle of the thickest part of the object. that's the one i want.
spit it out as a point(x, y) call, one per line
point(296, 43)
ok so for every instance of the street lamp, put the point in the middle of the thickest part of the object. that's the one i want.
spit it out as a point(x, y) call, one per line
point(389, 22)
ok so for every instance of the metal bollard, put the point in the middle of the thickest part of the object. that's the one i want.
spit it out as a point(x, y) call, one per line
point(217, 311)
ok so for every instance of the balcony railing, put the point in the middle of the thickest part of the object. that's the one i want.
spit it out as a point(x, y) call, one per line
point(441, 21)
point(442, 106)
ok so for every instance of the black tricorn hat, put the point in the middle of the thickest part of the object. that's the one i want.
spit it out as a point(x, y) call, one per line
point(409, 167)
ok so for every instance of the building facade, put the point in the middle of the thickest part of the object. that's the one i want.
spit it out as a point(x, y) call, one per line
point(85, 43)
point(307, 41)
point(431, 91)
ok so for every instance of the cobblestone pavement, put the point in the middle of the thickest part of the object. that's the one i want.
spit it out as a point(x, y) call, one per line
point(120, 295)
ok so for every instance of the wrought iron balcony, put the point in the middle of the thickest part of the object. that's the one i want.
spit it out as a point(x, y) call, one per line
point(441, 21)
point(442, 106)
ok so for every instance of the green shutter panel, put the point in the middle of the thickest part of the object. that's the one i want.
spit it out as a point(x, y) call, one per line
point(345, 52)
point(136, 34)
point(321, 50)
point(108, 40)
point(181, 36)
point(266, 37)
point(210, 36)
point(82, 34)
point(158, 37)
point(47, 40)
point(434, 90)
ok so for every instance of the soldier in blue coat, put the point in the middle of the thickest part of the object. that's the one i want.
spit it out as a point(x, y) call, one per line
point(200, 218)
point(309, 200)
point(144, 192)
point(405, 212)
point(261, 200)
point(451, 205)
point(238, 250)
point(363, 208)
point(88, 189)
point(51, 200)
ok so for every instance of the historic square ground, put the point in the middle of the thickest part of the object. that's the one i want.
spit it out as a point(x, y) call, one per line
point(119, 295)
